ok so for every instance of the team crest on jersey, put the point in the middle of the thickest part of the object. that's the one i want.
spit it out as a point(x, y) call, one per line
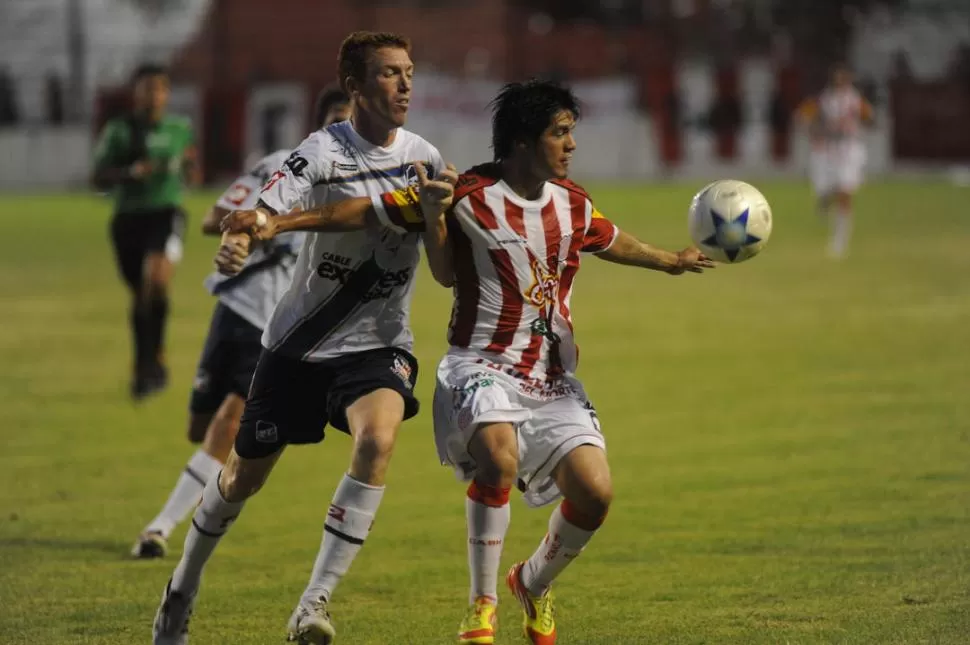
point(410, 175)
point(544, 286)
point(402, 369)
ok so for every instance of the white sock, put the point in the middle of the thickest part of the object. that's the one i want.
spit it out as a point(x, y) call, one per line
point(841, 230)
point(563, 543)
point(211, 520)
point(188, 489)
point(347, 525)
point(487, 513)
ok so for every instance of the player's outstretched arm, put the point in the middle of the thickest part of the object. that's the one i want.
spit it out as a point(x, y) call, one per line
point(630, 251)
point(241, 228)
point(262, 223)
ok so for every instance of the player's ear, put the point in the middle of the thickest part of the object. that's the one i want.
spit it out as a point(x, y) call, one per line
point(351, 86)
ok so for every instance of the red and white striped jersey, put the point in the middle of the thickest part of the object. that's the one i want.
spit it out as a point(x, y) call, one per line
point(838, 114)
point(515, 264)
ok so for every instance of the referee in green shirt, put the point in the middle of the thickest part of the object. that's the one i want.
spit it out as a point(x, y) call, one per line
point(145, 158)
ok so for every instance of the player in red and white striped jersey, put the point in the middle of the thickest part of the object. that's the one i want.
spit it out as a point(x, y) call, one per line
point(835, 119)
point(508, 407)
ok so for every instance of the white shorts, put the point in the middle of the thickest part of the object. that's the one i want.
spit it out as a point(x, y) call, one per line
point(837, 167)
point(468, 394)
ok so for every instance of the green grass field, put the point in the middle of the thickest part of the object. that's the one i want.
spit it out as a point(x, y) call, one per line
point(790, 443)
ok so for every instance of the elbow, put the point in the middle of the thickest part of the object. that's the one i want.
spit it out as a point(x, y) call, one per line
point(445, 278)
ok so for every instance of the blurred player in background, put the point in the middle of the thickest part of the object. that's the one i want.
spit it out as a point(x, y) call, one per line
point(337, 348)
point(232, 347)
point(508, 409)
point(835, 119)
point(145, 157)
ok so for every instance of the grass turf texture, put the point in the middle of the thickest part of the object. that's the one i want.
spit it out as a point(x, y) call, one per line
point(790, 443)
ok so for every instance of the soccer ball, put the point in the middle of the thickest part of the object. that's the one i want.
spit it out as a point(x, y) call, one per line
point(730, 221)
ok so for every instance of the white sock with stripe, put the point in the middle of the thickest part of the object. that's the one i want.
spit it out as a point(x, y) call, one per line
point(562, 544)
point(487, 513)
point(188, 489)
point(347, 525)
point(211, 521)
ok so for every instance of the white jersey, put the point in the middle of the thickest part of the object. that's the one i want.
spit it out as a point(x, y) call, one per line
point(515, 264)
point(840, 114)
point(254, 292)
point(351, 292)
point(838, 155)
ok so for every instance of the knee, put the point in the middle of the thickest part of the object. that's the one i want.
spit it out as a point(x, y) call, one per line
point(501, 467)
point(198, 426)
point(600, 499)
point(590, 509)
point(375, 443)
point(225, 426)
point(155, 289)
point(235, 485)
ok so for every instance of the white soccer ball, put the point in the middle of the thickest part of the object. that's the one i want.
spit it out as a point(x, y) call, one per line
point(730, 221)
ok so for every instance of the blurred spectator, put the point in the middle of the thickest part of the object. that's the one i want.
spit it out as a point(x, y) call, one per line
point(725, 115)
point(901, 69)
point(960, 66)
point(54, 99)
point(9, 113)
point(779, 113)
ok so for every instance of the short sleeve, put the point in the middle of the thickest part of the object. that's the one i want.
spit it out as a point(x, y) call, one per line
point(600, 235)
point(295, 178)
point(400, 210)
point(106, 149)
point(242, 193)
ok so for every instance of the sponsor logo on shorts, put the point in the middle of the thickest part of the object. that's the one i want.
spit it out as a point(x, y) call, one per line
point(202, 381)
point(402, 369)
point(266, 432)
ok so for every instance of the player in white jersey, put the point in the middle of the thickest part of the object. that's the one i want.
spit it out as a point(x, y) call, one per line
point(232, 347)
point(337, 349)
point(835, 119)
point(508, 408)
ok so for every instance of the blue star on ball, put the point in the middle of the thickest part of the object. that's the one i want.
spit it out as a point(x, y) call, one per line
point(731, 236)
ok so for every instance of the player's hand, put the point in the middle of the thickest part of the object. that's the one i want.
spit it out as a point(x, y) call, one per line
point(692, 260)
point(141, 169)
point(233, 251)
point(256, 223)
point(436, 195)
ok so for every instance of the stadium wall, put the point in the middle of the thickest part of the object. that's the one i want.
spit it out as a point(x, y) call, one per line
point(619, 139)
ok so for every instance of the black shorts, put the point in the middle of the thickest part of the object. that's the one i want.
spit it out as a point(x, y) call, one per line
point(290, 401)
point(135, 235)
point(228, 360)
